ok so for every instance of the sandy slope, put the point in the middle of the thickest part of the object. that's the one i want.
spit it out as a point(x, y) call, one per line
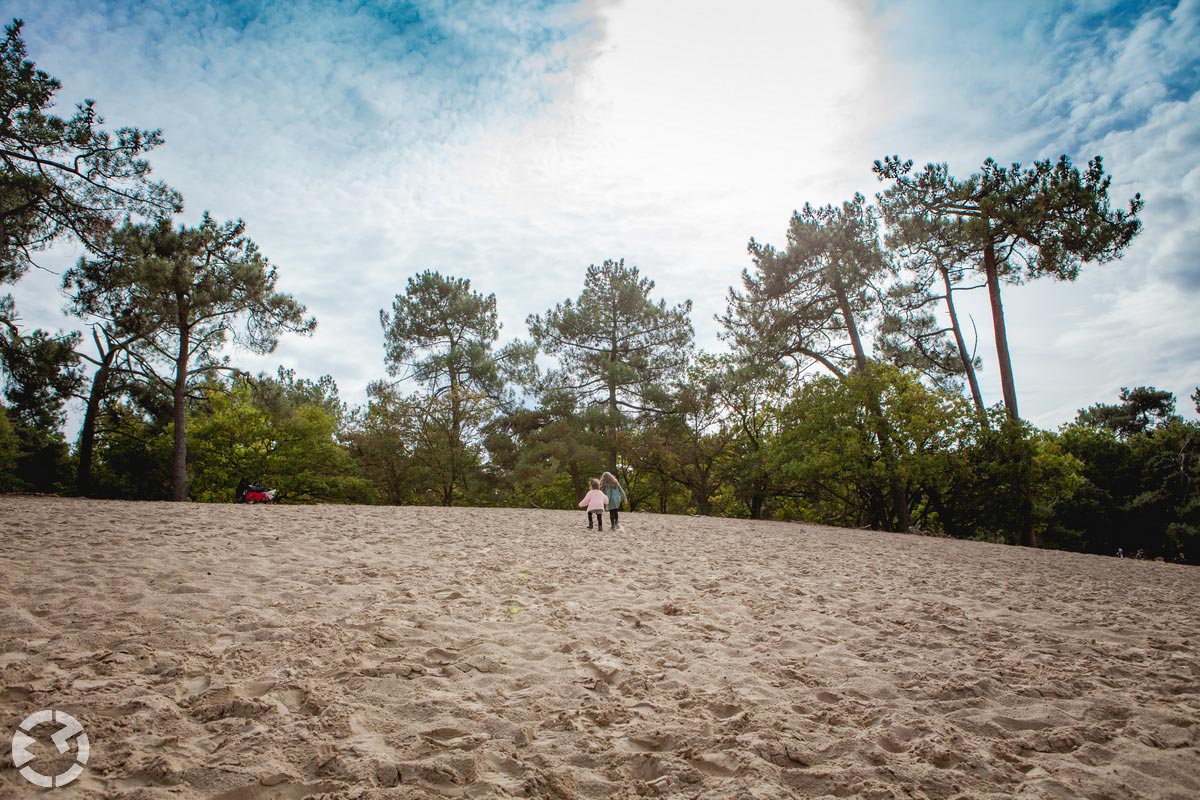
point(234, 653)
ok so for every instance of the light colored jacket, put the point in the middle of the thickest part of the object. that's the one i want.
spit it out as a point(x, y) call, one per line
point(615, 496)
point(594, 500)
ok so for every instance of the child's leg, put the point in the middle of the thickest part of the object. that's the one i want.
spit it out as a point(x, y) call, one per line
point(612, 517)
point(589, 520)
point(600, 520)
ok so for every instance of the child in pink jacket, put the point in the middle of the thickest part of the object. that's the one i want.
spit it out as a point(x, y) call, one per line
point(595, 501)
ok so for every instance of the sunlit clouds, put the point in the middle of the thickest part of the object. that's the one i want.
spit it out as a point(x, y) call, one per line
point(515, 143)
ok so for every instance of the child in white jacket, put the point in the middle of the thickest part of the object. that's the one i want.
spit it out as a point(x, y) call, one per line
point(595, 500)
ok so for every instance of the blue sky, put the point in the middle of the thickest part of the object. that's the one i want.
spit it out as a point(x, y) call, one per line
point(514, 143)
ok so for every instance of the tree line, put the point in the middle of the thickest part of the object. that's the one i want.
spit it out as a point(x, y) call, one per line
point(846, 393)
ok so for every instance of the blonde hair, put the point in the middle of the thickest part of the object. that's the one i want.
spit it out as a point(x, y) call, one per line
point(608, 479)
point(595, 483)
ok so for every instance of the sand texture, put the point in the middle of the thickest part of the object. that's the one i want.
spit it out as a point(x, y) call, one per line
point(279, 653)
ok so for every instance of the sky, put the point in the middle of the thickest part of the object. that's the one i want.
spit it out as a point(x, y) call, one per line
point(516, 142)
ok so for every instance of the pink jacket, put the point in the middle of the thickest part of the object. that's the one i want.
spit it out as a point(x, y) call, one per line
point(594, 500)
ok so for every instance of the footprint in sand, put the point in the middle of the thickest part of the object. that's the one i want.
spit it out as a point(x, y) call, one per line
point(605, 670)
point(278, 791)
point(454, 738)
point(503, 772)
point(719, 765)
point(222, 642)
point(648, 742)
point(198, 685)
point(224, 702)
point(725, 710)
point(297, 700)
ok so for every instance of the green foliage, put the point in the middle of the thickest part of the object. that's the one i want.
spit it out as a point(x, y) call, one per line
point(289, 446)
point(996, 477)
point(10, 448)
point(1011, 224)
point(62, 177)
point(809, 302)
point(555, 491)
point(199, 288)
point(1142, 478)
point(41, 372)
point(690, 443)
point(1140, 409)
point(133, 451)
point(751, 399)
point(1044, 220)
point(441, 335)
point(537, 447)
point(829, 451)
point(616, 348)
point(284, 394)
point(233, 441)
point(100, 294)
point(210, 284)
point(380, 438)
point(444, 468)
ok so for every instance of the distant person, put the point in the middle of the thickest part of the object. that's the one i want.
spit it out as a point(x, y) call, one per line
point(615, 495)
point(242, 487)
point(1181, 559)
point(1120, 552)
point(1140, 554)
point(595, 502)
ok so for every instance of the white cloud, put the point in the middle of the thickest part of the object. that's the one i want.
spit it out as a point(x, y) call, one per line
point(514, 144)
point(1083, 79)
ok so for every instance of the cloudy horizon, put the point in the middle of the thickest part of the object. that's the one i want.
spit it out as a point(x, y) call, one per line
point(515, 143)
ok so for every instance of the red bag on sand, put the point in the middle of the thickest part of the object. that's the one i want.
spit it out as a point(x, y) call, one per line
point(258, 497)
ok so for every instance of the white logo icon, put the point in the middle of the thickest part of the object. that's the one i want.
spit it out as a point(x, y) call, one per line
point(70, 727)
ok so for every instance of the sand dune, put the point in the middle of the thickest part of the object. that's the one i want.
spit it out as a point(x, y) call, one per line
point(246, 653)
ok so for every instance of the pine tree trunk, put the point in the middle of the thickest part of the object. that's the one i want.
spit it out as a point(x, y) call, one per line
point(860, 355)
point(968, 367)
point(179, 479)
point(613, 415)
point(992, 273)
point(455, 435)
point(756, 506)
point(896, 489)
point(87, 432)
point(703, 500)
point(578, 482)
